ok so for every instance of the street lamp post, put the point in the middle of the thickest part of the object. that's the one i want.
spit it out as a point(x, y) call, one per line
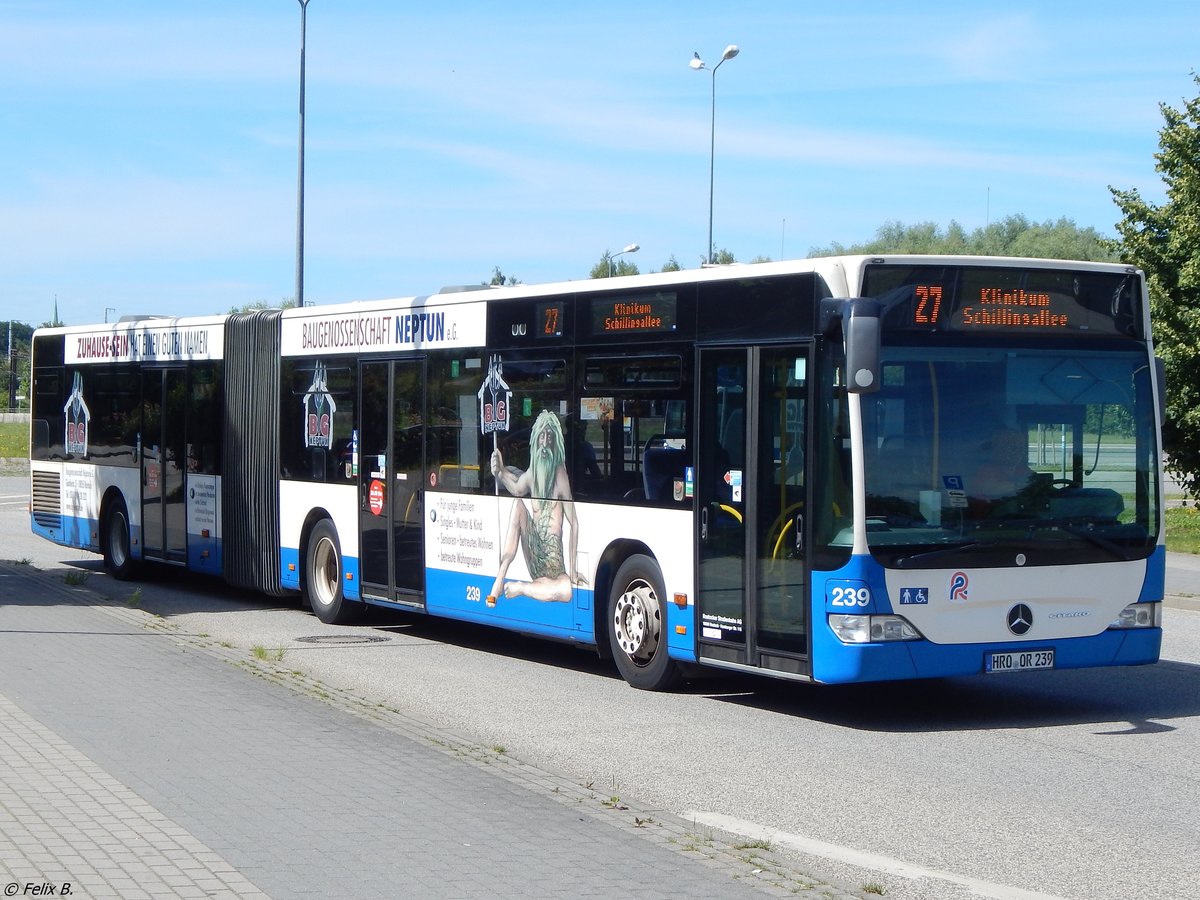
point(697, 63)
point(300, 168)
point(629, 248)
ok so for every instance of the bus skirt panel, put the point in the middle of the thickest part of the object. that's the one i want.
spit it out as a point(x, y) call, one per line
point(838, 663)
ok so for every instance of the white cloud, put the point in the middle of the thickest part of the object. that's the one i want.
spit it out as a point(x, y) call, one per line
point(1003, 48)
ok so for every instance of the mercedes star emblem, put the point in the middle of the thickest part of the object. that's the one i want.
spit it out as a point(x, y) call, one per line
point(1020, 619)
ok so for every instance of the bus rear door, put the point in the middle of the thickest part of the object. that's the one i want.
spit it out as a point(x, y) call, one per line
point(752, 492)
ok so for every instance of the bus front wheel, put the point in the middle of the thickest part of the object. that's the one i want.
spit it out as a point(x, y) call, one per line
point(323, 577)
point(115, 543)
point(637, 623)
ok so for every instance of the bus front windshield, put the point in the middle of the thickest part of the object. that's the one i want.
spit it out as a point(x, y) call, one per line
point(999, 456)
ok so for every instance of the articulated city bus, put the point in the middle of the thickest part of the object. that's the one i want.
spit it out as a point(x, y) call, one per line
point(833, 470)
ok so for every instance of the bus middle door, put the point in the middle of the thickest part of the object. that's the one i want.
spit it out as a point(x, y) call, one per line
point(392, 447)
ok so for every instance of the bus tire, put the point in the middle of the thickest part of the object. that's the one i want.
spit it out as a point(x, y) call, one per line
point(637, 625)
point(114, 541)
point(324, 578)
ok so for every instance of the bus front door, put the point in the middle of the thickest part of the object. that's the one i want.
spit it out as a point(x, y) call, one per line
point(391, 444)
point(751, 492)
point(163, 452)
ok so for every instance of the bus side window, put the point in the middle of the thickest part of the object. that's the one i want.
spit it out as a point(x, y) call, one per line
point(316, 418)
point(630, 430)
point(39, 438)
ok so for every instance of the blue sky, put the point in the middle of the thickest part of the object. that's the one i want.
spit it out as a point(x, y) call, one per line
point(148, 147)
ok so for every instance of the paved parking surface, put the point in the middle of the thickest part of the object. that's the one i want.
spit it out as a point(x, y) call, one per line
point(137, 762)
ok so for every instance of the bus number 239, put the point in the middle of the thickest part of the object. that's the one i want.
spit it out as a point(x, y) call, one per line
point(849, 593)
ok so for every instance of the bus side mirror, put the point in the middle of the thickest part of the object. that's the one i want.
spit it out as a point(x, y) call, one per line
point(860, 325)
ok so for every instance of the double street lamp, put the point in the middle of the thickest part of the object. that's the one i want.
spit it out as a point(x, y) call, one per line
point(630, 248)
point(697, 63)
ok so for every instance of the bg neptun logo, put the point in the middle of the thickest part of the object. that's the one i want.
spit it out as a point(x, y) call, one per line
point(78, 415)
point(318, 411)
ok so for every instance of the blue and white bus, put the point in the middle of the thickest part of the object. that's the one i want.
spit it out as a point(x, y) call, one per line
point(833, 470)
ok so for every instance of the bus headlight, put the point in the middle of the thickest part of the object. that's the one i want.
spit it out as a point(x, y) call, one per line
point(872, 629)
point(1139, 615)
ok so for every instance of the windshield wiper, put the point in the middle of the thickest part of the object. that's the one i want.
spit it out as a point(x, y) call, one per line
point(902, 561)
point(1094, 539)
point(1026, 541)
point(1033, 525)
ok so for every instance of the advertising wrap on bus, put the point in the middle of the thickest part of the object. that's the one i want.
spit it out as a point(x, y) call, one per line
point(465, 544)
point(145, 342)
point(404, 325)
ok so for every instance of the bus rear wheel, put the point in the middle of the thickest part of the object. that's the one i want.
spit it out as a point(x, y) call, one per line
point(115, 543)
point(637, 622)
point(323, 577)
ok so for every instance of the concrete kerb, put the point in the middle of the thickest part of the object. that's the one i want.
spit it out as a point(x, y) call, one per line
point(763, 866)
point(1182, 601)
point(13, 466)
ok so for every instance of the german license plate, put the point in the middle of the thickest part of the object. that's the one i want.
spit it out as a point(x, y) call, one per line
point(1018, 660)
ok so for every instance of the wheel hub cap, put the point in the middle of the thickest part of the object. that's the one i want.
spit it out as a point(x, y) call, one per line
point(637, 625)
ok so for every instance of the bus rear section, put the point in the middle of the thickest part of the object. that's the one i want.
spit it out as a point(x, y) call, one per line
point(125, 441)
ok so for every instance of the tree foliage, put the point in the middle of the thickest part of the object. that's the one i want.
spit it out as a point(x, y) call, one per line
point(255, 306)
point(610, 267)
point(14, 381)
point(499, 279)
point(1164, 241)
point(1011, 236)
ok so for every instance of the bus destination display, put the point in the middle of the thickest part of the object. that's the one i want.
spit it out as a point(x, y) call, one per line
point(647, 313)
point(994, 299)
point(994, 307)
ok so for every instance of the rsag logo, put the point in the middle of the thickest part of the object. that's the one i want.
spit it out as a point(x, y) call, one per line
point(958, 587)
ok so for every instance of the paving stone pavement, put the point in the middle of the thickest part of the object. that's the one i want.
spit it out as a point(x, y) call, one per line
point(139, 762)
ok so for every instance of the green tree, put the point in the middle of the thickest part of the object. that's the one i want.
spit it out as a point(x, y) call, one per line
point(1164, 241)
point(1011, 236)
point(14, 365)
point(255, 306)
point(672, 265)
point(499, 279)
point(609, 267)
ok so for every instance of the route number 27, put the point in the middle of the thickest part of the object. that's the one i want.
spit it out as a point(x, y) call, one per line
point(929, 304)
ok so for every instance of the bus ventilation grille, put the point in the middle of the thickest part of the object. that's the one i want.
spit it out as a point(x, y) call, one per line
point(47, 499)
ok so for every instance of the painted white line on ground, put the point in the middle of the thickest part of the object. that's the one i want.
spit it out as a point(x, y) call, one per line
point(873, 861)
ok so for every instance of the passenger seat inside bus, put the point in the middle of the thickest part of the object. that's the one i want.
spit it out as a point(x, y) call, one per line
point(664, 459)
